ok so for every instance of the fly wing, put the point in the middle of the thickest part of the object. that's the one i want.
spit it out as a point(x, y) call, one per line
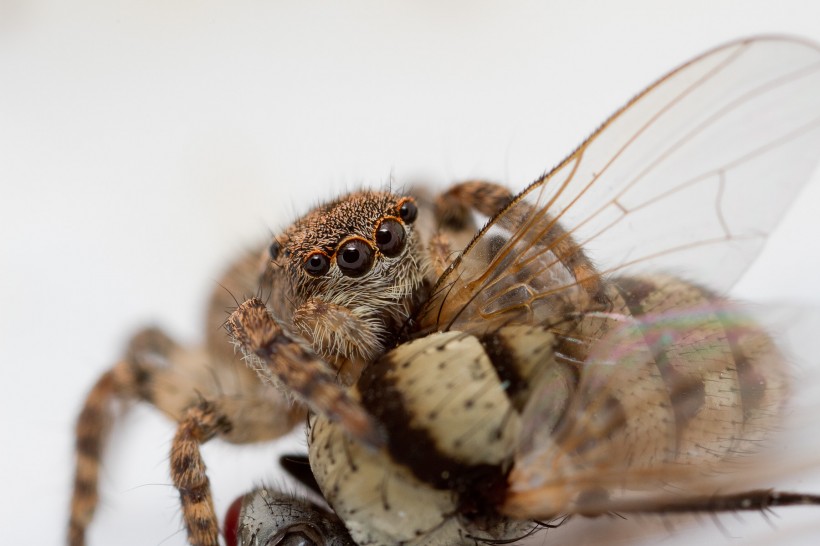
point(695, 171)
point(668, 407)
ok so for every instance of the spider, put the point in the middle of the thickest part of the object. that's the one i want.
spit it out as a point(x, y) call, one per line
point(342, 281)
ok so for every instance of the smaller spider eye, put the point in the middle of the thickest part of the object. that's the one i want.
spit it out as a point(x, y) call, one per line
point(408, 210)
point(390, 237)
point(317, 264)
point(274, 249)
point(354, 258)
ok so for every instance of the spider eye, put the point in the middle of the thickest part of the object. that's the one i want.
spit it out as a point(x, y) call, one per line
point(354, 258)
point(390, 237)
point(317, 264)
point(274, 249)
point(408, 210)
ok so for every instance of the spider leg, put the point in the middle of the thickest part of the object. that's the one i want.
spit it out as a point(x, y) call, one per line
point(200, 423)
point(440, 252)
point(454, 222)
point(181, 383)
point(280, 360)
point(125, 380)
point(454, 205)
point(453, 208)
point(91, 430)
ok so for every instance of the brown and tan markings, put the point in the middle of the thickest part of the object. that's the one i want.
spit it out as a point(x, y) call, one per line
point(559, 365)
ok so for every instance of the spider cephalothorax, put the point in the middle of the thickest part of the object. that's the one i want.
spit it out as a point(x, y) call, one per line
point(347, 275)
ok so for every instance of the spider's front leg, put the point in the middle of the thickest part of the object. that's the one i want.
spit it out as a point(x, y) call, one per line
point(281, 360)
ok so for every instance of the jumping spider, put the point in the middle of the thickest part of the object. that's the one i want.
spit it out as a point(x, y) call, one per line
point(341, 283)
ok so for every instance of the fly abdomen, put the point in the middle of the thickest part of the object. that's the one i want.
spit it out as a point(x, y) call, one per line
point(676, 383)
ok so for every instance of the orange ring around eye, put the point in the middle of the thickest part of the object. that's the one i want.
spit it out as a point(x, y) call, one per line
point(316, 264)
point(354, 256)
point(407, 210)
point(390, 236)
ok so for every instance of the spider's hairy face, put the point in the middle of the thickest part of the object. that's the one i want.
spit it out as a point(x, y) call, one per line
point(349, 273)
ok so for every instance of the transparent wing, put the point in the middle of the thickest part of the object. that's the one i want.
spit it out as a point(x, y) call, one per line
point(671, 409)
point(690, 178)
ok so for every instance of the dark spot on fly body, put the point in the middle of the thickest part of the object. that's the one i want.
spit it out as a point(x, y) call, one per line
point(752, 384)
point(688, 396)
point(503, 360)
point(609, 417)
point(635, 291)
point(412, 446)
point(480, 490)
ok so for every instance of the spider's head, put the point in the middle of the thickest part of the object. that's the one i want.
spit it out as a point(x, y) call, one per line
point(358, 257)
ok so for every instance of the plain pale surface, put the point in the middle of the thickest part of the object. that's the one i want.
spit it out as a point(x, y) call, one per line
point(143, 143)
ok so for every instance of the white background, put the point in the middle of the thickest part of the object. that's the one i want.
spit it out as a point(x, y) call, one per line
point(145, 143)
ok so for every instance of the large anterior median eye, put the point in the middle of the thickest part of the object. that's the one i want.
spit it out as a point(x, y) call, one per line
point(390, 237)
point(354, 257)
